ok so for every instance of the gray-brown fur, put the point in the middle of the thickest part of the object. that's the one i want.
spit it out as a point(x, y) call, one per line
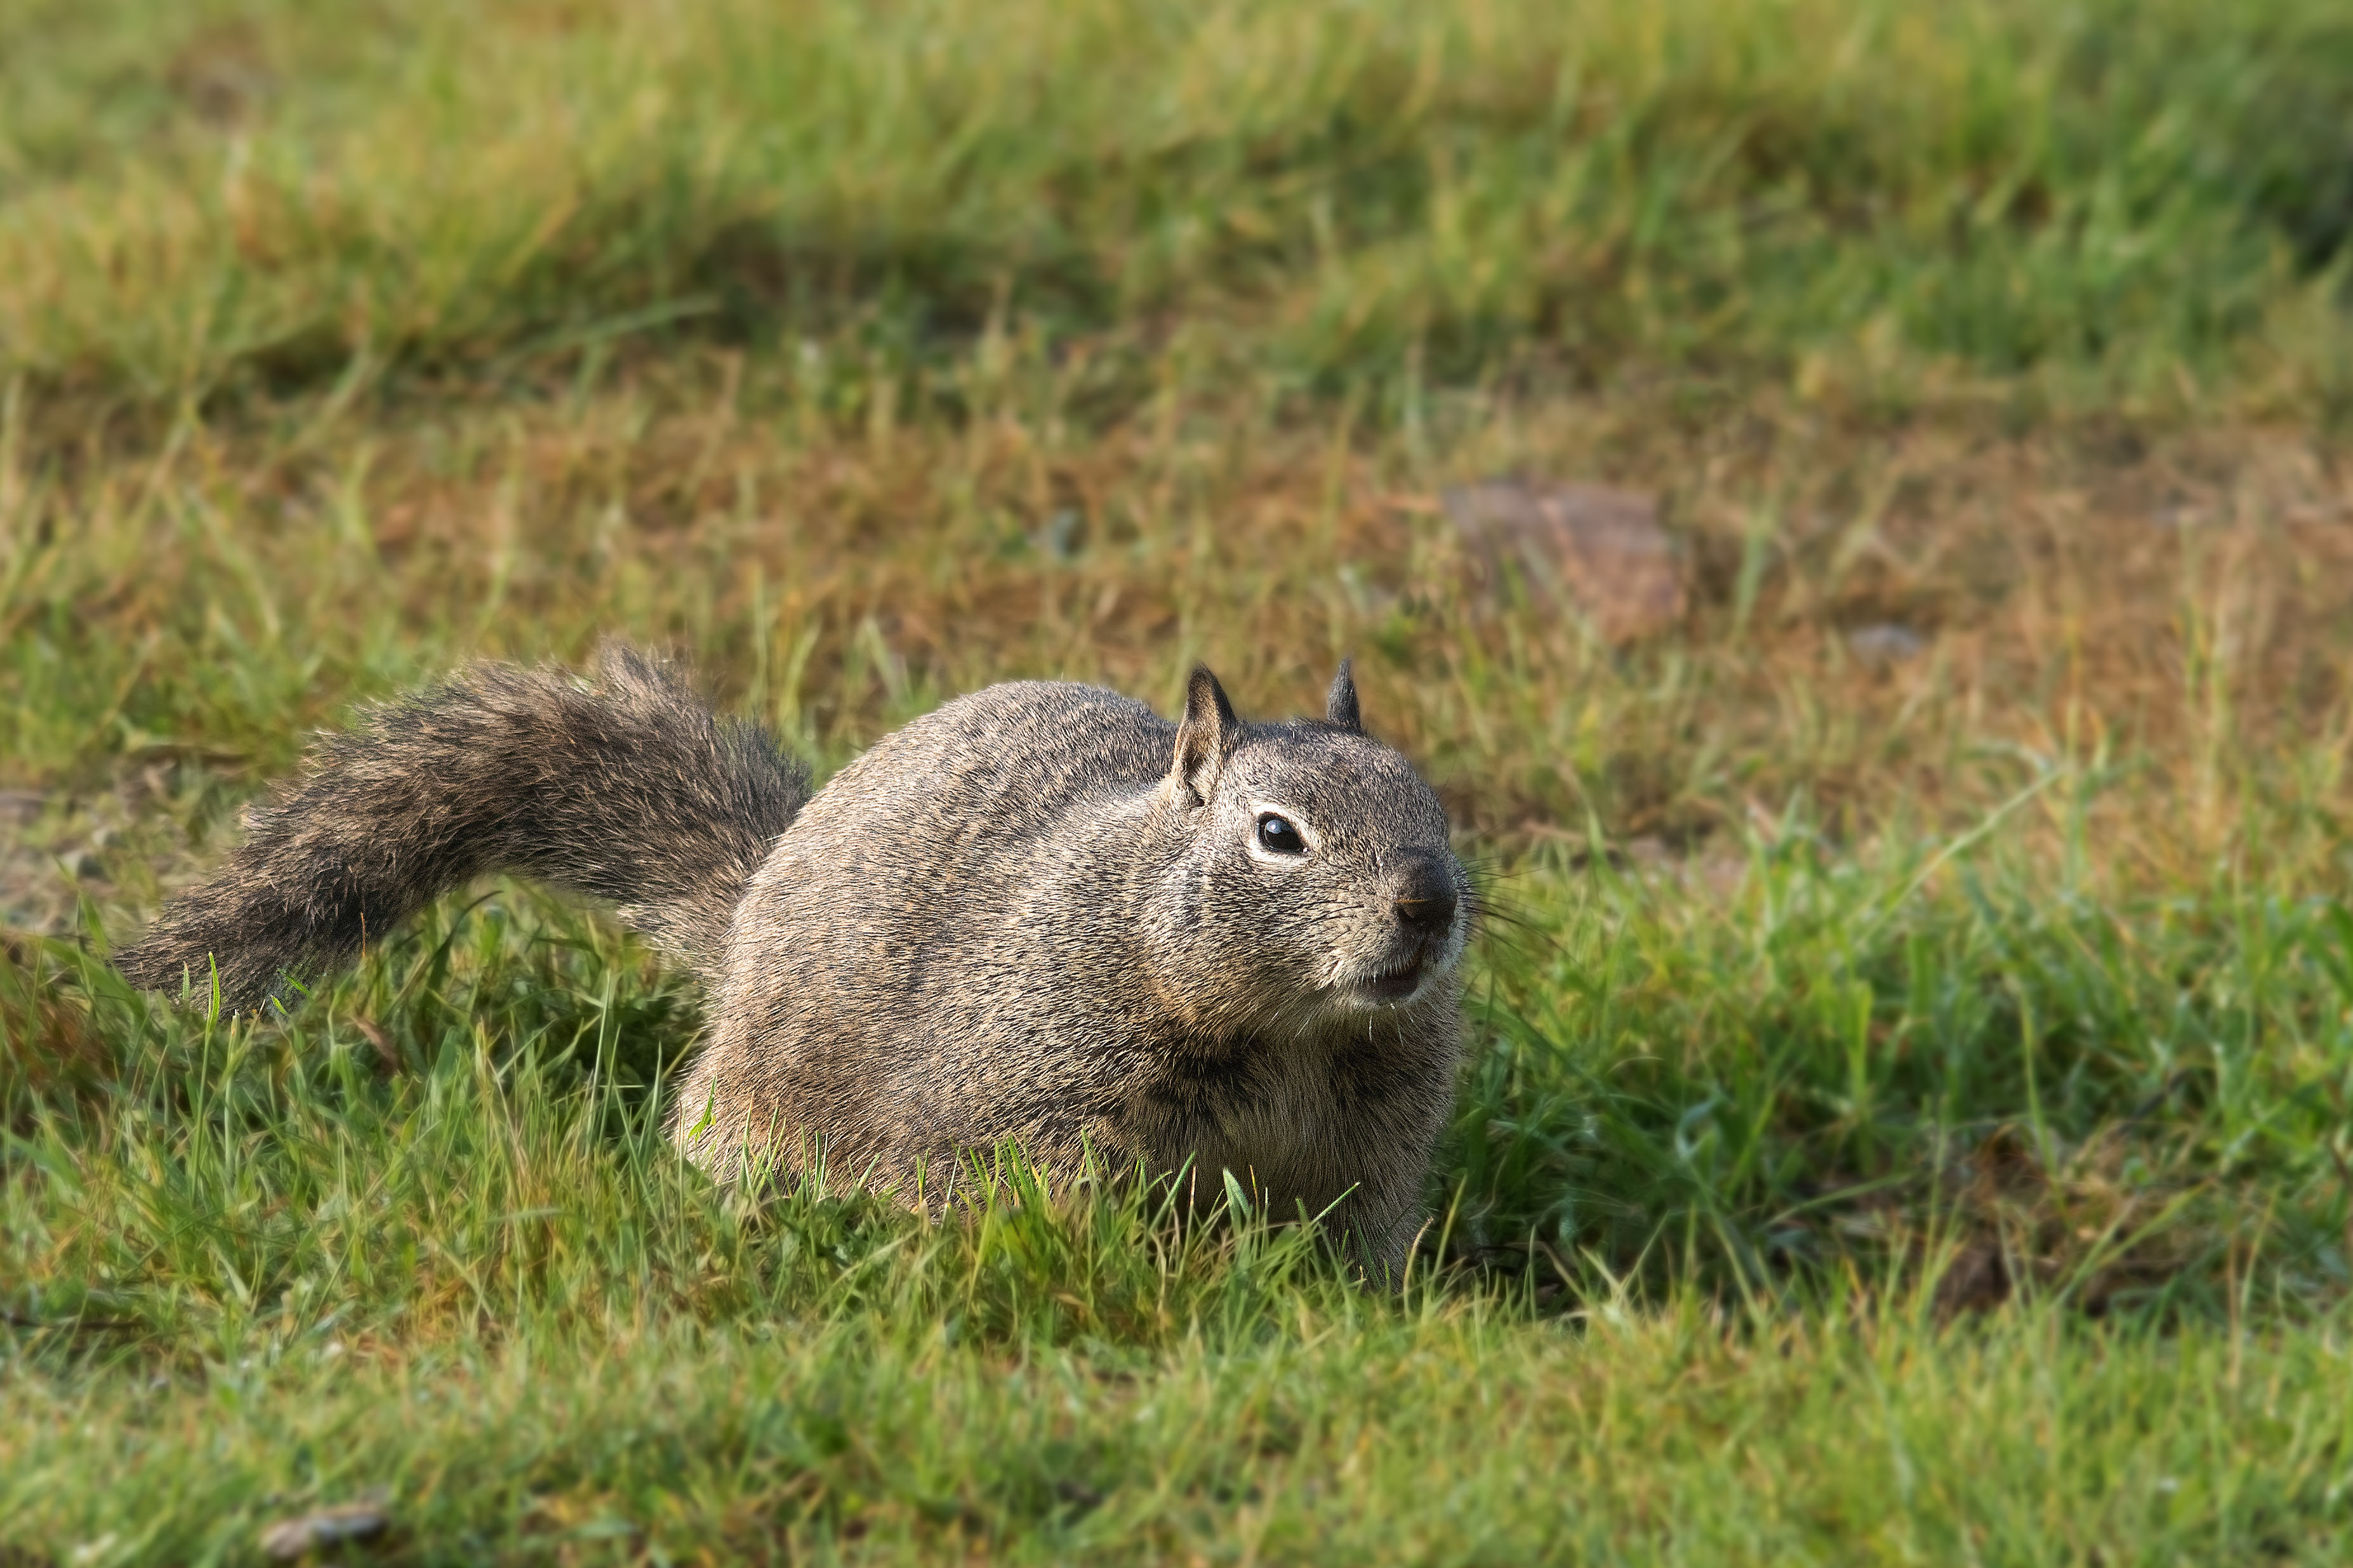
point(628, 790)
point(1041, 914)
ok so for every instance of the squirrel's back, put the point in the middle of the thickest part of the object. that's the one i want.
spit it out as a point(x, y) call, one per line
point(999, 766)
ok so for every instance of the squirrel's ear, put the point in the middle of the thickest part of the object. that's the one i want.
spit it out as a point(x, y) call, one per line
point(1340, 706)
point(1208, 735)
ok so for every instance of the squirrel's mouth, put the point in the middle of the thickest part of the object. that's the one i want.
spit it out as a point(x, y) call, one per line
point(1393, 983)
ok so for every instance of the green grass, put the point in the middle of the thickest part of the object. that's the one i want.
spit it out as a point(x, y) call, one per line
point(2131, 197)
point(427, 1240)
point(1907, 1116)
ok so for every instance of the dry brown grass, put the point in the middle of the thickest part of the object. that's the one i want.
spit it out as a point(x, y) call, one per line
point(2171, 609)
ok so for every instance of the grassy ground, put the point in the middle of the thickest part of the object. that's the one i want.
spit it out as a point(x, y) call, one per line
point(1908, 1112)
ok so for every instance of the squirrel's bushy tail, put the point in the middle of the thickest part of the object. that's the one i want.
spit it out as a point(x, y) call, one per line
point(626, 788)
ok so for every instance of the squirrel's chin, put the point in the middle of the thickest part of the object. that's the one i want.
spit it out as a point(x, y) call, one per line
point(1388, 987)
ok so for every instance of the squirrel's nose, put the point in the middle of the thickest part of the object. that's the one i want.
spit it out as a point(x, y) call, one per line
point(1425, 894)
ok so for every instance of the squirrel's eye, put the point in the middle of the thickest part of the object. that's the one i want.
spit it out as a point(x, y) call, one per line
point(1276, 833)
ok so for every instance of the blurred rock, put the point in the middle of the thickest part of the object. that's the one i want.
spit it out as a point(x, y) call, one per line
point(298, 1537)
point(1886, 642)
point(1592, 549)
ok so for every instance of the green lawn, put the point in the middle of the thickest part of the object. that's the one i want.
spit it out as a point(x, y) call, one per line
point(1908, 1113)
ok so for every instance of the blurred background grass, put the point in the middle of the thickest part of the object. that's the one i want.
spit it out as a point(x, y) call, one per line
point(2122, 201)
point(1924, 967)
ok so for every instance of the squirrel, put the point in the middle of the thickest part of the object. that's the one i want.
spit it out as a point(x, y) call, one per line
point(1040, 913)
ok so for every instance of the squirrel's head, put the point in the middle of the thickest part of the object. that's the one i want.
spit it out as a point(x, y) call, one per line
point(1312, 872)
